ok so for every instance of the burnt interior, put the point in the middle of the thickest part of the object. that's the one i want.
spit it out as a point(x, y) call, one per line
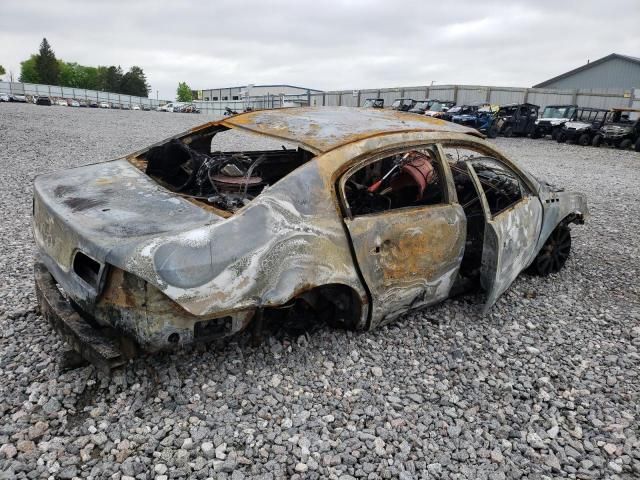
point(403, 180)
point(227, 180)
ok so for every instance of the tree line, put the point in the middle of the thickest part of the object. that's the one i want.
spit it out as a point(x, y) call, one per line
point(45, 68)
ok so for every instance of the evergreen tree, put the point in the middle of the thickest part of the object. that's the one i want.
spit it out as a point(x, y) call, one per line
point(134, 82)
point(47, 65)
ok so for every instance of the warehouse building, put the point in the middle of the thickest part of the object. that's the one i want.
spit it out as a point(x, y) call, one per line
point(614, 71)
point(239, 93)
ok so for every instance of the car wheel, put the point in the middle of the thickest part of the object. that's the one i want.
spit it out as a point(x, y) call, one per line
point(561, 137)
point(554, 252)
point(624, 144)
point(535, 133)
point(597, 141)
point(492, 132)
point(637, 146)
point(508, 132)
point(584, 140)
point(554, 133)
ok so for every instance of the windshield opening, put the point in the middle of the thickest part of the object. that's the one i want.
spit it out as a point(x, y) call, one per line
point(558, 112)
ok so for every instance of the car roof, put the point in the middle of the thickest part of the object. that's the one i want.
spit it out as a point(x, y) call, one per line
point(321, 129)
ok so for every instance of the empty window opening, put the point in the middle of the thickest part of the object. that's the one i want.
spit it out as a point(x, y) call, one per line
point(407, 179)
point(210, 171)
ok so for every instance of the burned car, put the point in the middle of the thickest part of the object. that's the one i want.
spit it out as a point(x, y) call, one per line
point(370, 213)
point(552, 119)
point(621, 131)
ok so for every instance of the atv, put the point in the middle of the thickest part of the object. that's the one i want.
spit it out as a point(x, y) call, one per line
point(403, 104)
point(422, 106)
point(621, 131)
point(439, 108)
point(517, 119)
point(584, 128)
point(552, 119)
point(373, 103)
point(481, 117)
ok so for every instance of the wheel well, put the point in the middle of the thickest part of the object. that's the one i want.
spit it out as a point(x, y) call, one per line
point(336, 304)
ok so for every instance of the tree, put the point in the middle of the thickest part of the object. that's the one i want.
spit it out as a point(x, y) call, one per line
point(2, 70)
point(28, 71)
point(183, 94)
point(134, 82)
point(47, 65)
point(110, 78)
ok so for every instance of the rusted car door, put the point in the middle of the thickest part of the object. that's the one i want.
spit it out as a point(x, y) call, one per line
point(409, 257)
point(511, 231)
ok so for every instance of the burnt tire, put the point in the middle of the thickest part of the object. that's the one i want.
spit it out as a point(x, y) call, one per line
point(561, 137)
point(554, 133)
point(584, 140)
point(554, 253)
point(508, 132)
point(597, 141)
point(624, 144)
point(492, 132)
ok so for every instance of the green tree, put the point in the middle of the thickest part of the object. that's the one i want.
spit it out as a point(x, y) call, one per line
point(134, 82)
point(47, 65)
point(183, 94)
point(2, 70)
point(110, 78)
point(28, 71)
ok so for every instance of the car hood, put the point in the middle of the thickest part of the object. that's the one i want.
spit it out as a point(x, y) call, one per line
point(577, 125)
point(617, 128)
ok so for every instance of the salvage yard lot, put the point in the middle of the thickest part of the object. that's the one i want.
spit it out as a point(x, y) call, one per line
point(546, 384)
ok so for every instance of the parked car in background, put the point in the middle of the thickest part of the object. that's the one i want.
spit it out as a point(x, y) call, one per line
point(145, 107)
point(72, 102)
point(168, 107)
point(104, 105)
point(43, 100)
point(83, 103)
point(552, 119)
point(439, 107)
point(126, 106)
point(135, 107)
point(482, 117)
point(373, 103)
point(517, 119)
point(94, 104)
point(358, 225)
point(16, 97)
point(421, 106)
point(621, 131)
point(457, 110)
point(584, 128)
point(61, 102)
point(4, 97)
point(403, 104)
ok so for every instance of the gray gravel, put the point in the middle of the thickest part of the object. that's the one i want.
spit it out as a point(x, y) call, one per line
point(546, 386)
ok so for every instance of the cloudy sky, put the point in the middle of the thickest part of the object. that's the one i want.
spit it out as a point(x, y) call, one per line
point(324, 44)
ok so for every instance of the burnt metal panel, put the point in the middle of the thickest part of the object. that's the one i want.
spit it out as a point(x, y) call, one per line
point(323, 129)
point(409, 257)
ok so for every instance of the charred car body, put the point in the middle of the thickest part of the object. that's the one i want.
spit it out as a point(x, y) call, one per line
point(552, 119)
point(517, 119)
point(621, 131)
point(584, 128)
point(373, 214)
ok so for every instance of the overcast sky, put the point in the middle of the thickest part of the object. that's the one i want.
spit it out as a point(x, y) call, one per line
point(324, 44)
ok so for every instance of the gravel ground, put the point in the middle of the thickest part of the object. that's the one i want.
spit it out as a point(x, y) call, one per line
point(545, 386)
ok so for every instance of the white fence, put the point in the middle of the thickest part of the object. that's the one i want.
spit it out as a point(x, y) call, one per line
point(53, 91)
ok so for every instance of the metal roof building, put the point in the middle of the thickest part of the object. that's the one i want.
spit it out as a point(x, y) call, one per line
point(614, 71)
